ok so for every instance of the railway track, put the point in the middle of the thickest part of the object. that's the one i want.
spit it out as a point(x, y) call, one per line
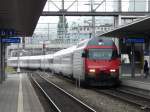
point(60, 100)
point(132, 97)
point(128, 94)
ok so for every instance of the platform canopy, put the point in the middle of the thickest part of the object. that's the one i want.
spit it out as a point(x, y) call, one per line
point(139, 28)
point(20, 15)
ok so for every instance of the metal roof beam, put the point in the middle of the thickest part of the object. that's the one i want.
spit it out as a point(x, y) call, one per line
point(74, 13)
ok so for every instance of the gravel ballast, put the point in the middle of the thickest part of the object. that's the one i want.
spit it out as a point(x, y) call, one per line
point(100, 102)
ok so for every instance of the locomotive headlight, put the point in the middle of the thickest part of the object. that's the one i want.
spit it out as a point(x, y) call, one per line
point(112, 70)
point(92, 70)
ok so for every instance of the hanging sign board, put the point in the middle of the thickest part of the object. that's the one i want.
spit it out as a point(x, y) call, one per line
point(135, 40)
point(11, 40)
point(7, 32)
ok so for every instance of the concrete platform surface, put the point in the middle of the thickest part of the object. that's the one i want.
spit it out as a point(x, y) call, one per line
point(137, 82)
point(18, 95)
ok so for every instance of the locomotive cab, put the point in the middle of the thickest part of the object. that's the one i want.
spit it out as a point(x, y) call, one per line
point(101, 63)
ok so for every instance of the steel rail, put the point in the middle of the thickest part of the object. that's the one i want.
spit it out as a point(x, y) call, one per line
point(47, 96)
point(71, 96)
point(137, 100)
point(142, 96)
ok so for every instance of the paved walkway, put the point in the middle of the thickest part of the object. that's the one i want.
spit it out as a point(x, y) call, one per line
point(138, 82)
point(18, 95)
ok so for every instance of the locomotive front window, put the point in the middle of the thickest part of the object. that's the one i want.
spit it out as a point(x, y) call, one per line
point(104, 54)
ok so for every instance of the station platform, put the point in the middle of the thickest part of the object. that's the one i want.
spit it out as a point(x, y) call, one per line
point(138, 82)
point(18, 95)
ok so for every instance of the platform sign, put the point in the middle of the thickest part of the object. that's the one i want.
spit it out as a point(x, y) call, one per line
point(11, 40)
point(147, 53)
point(7, 32)
point(135, 40)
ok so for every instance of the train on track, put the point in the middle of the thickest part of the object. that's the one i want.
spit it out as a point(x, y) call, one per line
point(93, 61)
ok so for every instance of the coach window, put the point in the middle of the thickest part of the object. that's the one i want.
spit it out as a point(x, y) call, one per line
point(50, 60)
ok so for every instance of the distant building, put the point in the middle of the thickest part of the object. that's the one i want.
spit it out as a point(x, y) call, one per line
point(84, 31)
